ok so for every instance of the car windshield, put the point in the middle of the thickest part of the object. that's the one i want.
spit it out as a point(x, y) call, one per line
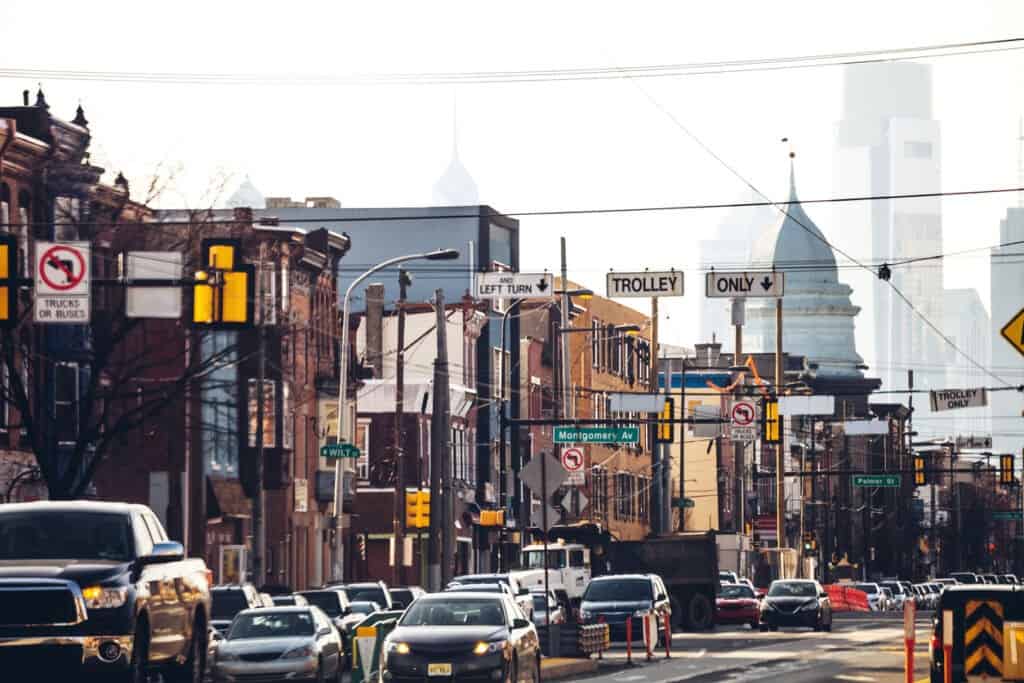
point(228, 603)
point(470, 580)
point(478, 588)
point(455, 612)
point(55, 535)
point(868, 588)
point(792, 589)
point(284, 600)
point(736, 592)
point(618, 590)
point(367, 594)
point(325, 600)
point(271, 625)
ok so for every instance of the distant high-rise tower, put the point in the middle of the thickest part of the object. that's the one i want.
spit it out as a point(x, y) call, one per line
point(888, 143)
point(1007, 272)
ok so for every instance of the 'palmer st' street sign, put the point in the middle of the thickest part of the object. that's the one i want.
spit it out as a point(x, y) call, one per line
point(645, 284)
point(568, 434)
point(877, 480)
point(745, 285)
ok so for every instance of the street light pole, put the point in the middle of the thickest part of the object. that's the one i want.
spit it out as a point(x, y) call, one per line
point(338, 550)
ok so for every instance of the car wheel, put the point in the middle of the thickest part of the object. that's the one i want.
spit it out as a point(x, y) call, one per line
point(512, 671)
point(194, 668)
point(753, 626)
point(138, 664)
point(773, 628)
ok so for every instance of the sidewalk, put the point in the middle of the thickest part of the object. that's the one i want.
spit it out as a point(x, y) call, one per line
point(558, 668)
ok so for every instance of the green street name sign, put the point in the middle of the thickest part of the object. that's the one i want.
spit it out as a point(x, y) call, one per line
point(883, 480)
point(1007, 515)
point(339, 450)
point(597, 434)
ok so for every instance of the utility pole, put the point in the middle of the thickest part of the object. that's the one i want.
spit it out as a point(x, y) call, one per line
point(658, 451)
point(437, 427)
point(444, 442)
point(403, 283)
point(563, 342)
point(258, 536)
point(739, 466)
point(780, 452)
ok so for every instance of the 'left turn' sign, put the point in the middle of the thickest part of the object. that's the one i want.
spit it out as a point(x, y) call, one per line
point(61, 274)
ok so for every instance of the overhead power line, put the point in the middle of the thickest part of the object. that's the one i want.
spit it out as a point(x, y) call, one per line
point(671, 70)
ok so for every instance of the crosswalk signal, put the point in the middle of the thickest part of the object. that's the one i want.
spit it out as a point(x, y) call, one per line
point(224, 294)
point(1006, 468)
point(666, 428)
point(772, 421)
point(417, 509)
point(8, 281)
point(920, 471)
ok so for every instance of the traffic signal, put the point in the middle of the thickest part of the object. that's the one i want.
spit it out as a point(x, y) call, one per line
point(920, 471)
point(417, 509)
point(8, 281)
point(224, 295)
point(1006, 468)
point(772, 421)
point(492, 518)
point(666, 428)
point(810, 542)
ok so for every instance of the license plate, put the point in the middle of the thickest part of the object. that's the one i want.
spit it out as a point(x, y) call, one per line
point(439, 669)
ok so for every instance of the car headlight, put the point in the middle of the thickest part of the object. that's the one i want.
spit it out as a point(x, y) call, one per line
point(298, 652)
point(809, 606)
point(99, 597)
point(398, 648)
point(483, 648)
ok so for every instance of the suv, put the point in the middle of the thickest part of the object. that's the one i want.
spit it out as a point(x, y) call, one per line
point(614, 599)
point(877, 599)
point(229, 601)
point(520, 593)
point(900, 593)
point(403, 596)
point(965, 577)
point(376, 591)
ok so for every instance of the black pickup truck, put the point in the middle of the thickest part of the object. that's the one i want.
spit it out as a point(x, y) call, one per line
point(98, 587)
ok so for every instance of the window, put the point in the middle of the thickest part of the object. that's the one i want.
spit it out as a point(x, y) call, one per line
point(631, 358)
point(269, 414)
point(642, 501)
point(267, 313)
point(66, 215)
point(288, 428)
point(362, 440)
point(6, 395)
point(499, 367)
point(5, 208)
point(916, 149)
point(285, 289)
point(219, 396)
point(468, 362)
point(595, 344)
point(599, 490)
point(65, 401)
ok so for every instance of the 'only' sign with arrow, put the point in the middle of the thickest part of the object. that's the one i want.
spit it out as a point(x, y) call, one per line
point(767, 284)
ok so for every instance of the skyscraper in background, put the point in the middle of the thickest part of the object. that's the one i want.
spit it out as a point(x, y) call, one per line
point(1007, 269)
point(888, 143)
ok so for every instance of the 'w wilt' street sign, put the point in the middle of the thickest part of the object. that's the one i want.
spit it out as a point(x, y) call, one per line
point(339, 450)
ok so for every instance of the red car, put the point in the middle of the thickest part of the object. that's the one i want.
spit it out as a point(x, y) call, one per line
point(736, 604)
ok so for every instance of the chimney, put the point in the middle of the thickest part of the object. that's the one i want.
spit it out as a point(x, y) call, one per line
point(243, 214)
point(375, 329)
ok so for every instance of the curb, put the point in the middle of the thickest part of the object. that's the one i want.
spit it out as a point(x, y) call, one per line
point(561, 667)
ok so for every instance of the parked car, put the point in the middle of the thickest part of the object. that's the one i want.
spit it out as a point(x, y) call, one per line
point(736, 604)
point(520, 592)
point(104, 590)
point(878, 601)
point(796, 603)
point(290, 601)
point(965, 577)
point(365, 607)
point(614, 599)
point(228, 601)
point(462, 635)
point(501, 588)
point(376, 591)
point(728, 577)
point(335, 604)
point(749, 584)
point(542, 608)
point(946, 581)
point(403, 596)
point(1011, 579)
point(989, 579)
point(286, 643)
point(900, 593)
point(889, 599)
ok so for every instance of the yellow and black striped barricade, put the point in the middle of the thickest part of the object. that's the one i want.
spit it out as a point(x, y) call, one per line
point(984, 618)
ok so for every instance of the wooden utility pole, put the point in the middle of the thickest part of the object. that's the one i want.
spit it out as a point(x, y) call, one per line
point(435, 545)
point(738, 319)
point(659, 452)
point(258, 536)
point(780, 450)
point(399, 451)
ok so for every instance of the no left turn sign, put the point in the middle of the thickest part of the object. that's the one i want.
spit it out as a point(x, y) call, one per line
point(743, 413)
point(572, 459)
point(62, 287)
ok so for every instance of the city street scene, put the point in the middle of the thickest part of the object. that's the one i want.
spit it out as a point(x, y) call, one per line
point(406, 342)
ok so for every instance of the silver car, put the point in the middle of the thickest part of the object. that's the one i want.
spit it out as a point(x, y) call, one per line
point(286, 643)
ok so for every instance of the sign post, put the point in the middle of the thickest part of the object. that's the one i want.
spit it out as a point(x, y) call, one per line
point(645, 284)
point(61, 274)
point(909, 613)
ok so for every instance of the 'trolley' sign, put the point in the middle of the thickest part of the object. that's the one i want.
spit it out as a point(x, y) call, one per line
point(645, 284)
point(954, 399)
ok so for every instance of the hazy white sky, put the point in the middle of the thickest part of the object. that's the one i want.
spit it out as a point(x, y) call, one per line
point(529, 146)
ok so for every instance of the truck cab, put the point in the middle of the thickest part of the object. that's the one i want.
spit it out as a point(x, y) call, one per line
point(568, 567)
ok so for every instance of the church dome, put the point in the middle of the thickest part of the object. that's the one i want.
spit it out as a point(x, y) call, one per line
point(247, 195)
point(796, 245)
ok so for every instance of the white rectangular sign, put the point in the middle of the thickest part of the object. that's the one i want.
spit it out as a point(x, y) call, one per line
point(61, 272)
point(866, 428)
point(515, 285)
point(645, 284)
point(954, 399)
point(807, 405)
point(621, 402)
point(153, 302)
point(744, 434)
point(745, 285)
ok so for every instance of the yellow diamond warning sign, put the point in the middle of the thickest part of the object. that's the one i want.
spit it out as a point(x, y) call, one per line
point(1013, 331)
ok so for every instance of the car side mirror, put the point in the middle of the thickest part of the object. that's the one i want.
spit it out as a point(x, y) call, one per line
point(823, 595)
point(520, 623)
point(166, 551)
point(325, 631)
point(661, 596)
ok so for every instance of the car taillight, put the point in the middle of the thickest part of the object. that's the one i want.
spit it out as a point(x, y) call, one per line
point(933, 645)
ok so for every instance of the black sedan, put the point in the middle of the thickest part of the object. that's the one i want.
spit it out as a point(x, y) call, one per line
point(796, 603)
point(463, 637)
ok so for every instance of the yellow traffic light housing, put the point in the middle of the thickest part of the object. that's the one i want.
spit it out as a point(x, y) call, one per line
point(224, 293)
point(8, 281)
point(1006, 468)
point(417, 509)
point(920, 471)
point(492, 518)
point(666, 428)
point(772, 421)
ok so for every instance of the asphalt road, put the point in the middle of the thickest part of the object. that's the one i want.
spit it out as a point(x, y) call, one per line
point(860, 649)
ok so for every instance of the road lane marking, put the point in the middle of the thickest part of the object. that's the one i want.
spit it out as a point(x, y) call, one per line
point(851, 677)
